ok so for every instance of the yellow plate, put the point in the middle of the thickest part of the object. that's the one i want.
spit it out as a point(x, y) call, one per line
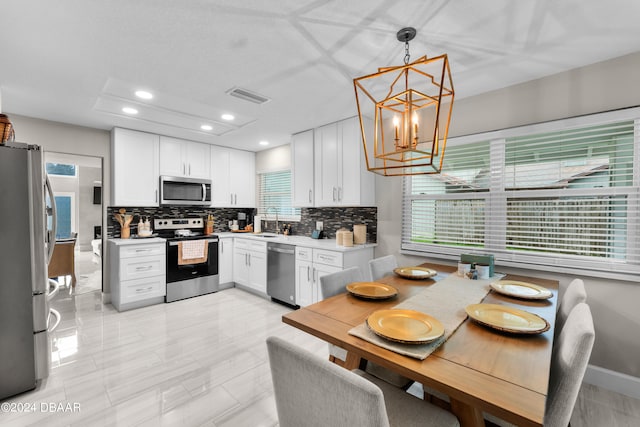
point(416, 273)
point(523, 290)
point(372, 290)
point(405, 326)
point(507, 319)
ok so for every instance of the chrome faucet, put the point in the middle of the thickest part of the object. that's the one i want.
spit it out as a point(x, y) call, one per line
point(277, 222)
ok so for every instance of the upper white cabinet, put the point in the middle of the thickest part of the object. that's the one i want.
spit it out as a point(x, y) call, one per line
point(233, 178)
point(179, 157)
point(302, 169)
point(341, 176)
point(134, 168)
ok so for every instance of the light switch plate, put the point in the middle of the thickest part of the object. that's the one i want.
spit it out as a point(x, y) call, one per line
point(319, 225)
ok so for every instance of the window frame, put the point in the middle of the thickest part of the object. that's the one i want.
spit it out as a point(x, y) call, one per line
point(495, 235)
point(264, 211)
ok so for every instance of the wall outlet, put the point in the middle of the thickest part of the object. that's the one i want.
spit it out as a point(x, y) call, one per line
point(319, 225)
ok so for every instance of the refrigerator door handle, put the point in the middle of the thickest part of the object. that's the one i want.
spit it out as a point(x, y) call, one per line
point(56, 314)
point(51, 234)
point(52, 293)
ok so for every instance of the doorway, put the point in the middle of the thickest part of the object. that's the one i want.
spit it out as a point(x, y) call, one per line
point(77, 186)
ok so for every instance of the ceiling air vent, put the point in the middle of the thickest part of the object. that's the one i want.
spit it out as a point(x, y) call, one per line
point(247, 95)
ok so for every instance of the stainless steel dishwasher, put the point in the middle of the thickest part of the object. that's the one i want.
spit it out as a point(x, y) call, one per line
point(281, 272)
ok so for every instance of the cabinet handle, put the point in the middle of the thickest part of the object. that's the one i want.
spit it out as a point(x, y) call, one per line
point(309, 195)
point(231, 201)
point(222, 247)
point(308, 273)
point(249, 260)
point(156, 196)
point(235, 197)
point(145, 289)
point(147, 268)
point(190, 170)
point(339, 194)
point(144, 250)
point(334, 194)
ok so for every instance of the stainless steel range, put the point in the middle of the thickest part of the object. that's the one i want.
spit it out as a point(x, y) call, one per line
point(192, 257)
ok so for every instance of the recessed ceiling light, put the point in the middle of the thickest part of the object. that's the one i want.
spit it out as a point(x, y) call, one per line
point(264, 142)
point(129, 110)
point(227, 117)
point(143, 94)
point(206, 127)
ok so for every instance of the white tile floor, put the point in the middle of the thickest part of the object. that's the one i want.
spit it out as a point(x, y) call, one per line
point(196, 362)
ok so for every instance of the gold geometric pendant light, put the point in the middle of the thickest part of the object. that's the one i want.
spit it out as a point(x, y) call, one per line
point(404, 114)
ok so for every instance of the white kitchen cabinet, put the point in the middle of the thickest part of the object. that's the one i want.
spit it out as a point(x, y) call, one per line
point(340, 174)
point(233, 176)
point(250, 264)
point(137, 273)
point(225, 260)
point(179, 157)
point(312, 264)
point(134, 168)
point(302, 190)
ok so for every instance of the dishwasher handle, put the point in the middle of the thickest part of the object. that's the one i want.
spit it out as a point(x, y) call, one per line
point(282, 251)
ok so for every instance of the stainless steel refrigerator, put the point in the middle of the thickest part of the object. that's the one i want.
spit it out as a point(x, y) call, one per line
point(26, 246)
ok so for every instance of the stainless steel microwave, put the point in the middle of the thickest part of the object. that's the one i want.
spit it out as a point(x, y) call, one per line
point(185, 191)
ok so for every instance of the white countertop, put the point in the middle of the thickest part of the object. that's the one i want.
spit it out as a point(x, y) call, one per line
point(308, 242)
point(137, 241)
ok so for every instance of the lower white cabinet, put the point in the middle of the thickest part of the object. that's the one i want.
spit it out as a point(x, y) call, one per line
point(137, 273)
point(312, 264)
point(250, 264)
point(225, 260)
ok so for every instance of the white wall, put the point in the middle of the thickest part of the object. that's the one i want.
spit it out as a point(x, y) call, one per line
point(274, 159)
point(600, 87)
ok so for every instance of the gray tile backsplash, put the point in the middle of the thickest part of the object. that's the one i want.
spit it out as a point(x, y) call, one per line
point(333, 218)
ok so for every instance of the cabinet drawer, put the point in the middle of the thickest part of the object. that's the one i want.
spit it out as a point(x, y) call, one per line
point(142, 289)
point(321, 256)
point(142, 266)
point(131, 251)
point(304, 254)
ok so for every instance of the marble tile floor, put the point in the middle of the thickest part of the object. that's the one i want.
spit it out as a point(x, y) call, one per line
point(196, 362)
point(201, 361)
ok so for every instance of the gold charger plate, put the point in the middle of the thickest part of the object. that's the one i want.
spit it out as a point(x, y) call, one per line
point(507, 319)
point(372, 290)
point(523, 290)
point(405, 326)
point(415, 273)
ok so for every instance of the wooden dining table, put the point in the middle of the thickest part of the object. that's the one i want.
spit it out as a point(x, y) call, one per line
point(479, 368)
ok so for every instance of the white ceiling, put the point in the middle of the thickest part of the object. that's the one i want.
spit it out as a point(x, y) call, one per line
point(79, 61)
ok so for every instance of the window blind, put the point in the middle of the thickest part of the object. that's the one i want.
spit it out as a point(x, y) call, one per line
point(566, 197)
point(274, 195)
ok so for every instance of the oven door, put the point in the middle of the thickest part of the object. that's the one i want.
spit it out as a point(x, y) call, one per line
point(177, 273)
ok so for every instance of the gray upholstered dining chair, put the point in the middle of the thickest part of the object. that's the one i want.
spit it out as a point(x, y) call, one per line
point(573, 295)
point(333, 284)
point(571, 353)
point(311, 392)
point(382, 266)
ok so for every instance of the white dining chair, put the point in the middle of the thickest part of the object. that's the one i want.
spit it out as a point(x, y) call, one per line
point(573, 295)
point(333, 284)
point(571, 353)
point(382, 266)
point(312, 392)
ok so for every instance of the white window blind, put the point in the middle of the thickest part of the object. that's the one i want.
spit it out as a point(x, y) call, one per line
point(564, 197)
point(274, 196)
